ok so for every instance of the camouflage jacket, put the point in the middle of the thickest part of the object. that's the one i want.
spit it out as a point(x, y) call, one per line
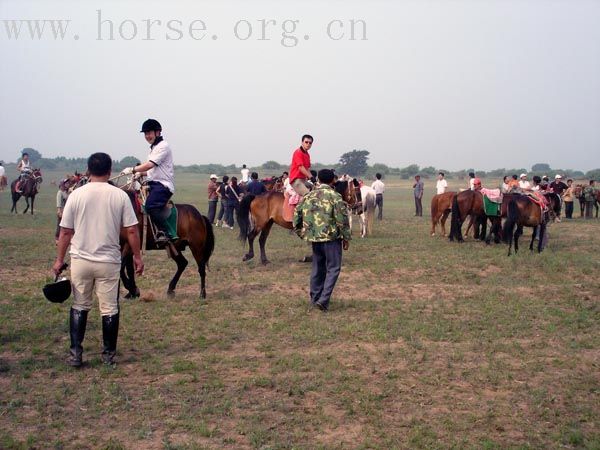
point(322, 216)
point(589, 193)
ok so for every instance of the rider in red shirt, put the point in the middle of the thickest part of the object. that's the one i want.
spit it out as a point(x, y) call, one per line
point(300, 167)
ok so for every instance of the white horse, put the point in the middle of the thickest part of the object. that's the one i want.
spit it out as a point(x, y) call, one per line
point(366, 211)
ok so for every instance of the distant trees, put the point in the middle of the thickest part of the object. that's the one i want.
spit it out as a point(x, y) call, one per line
point(354, 163)
point(593, 174)
point(34, 155)
point(129, 161)
point(271, 165)
point(541, 167)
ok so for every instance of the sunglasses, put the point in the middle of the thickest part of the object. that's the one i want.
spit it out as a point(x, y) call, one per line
point(308, 142)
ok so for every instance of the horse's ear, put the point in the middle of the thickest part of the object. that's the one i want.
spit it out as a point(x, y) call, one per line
point(355, 182)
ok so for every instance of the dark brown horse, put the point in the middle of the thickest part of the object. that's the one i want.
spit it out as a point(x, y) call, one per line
point(273, 184)
point(257, 214)
point(29, 189)
point(464, 204)
point(194, 231)
point(441, 204)
point(522, 211)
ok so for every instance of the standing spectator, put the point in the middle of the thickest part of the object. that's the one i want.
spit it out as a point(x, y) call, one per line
point(523, 183)
point(213, 198)
point(441, 184)
point(92, 221)
point(61, 198)
point(256, 187)
point(568, 196)
point(300, 166)
point(589, 194)
point(321, 218)
point(379, 187)
point(3, 181)
point(471, 180)
point(245, 172)
point(558, 185)
point(232, 194)
point(418, 189)
point(221, 192)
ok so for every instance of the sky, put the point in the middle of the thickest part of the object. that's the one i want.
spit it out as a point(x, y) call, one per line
point(452, 84)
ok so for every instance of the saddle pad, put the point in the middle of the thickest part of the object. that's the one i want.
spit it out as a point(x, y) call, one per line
point(172, 221)
point(493, 195)
point(491, 208)
point(288, 210)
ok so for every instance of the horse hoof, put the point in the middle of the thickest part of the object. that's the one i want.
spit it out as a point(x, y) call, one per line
point(247, 257)
point(203, 295)
point(265, 262)
point(171, 294)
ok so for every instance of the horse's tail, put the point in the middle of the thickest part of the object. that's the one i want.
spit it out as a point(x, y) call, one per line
point(209, 245)
point(456, 219)
point(512, 215)
point(243, 217)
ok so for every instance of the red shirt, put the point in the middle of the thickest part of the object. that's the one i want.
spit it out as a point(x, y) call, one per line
point(300, 158)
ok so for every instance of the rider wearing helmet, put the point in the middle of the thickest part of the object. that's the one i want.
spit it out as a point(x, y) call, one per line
point(161, 177)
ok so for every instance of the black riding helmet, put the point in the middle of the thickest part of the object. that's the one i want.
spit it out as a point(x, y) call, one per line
point(58, 291)
point(151, 125)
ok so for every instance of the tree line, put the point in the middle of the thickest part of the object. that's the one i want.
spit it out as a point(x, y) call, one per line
point(354, 163)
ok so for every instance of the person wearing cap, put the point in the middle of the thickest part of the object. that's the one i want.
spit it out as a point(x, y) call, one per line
point(160, 174)
point(441, 184)
point(471, 179)
point(92, 220)
point(523, 182)
point(300, 166)
point(3, 181)
point(558, 185)
point(213, 198)
point(321, 218)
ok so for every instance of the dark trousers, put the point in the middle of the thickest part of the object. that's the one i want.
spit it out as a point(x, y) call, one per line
point(212, 210)
point(589, 210)
point(222, 210)
point(326, 267)
point(155, 203)
point(379, 204)
point(569, 210)
point(230, 210)
point(418, 206)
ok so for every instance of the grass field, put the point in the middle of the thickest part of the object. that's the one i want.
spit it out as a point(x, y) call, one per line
point(428, 344)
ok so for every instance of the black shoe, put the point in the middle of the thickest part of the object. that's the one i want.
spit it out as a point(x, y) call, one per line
point(161, 238)
point(320, 306)
point(110, 333)
point(77, 324)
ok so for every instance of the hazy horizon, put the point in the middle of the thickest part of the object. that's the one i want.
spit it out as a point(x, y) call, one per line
point(452, 85)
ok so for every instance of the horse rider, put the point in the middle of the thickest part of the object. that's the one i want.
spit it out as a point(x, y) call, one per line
point(524, 183)
point(476, 184)
point(24, 168)
point(300, 167)
point(160, 175)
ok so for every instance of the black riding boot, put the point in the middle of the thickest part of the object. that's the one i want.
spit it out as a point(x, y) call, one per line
point(110, 332)
point(77, 324)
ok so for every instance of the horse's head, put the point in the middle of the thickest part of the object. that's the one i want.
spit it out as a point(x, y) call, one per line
point(37, 175)
point(555, 203)
point(348, 190)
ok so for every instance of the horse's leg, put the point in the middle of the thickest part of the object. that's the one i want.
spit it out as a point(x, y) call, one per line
point(32, 200)
point(27, 203)
point(443, 222)
point(363, 225)
point(128, 276)
point(473, 225)
point(198, 256)
point(542, 237)
point(181, 265)
point(518, 234)
point(251, 236)
point(535, 231)
point(262, 240)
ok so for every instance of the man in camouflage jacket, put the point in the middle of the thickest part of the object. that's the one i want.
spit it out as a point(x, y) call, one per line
point(321, 218)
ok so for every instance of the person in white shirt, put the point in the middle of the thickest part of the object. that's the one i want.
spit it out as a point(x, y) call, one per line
point(379, 187)
point(24, 168)
point(161, 177)
point(245, 173)
point(523, 183)
point(91, 223)
point(3, 181)
point(441, 184)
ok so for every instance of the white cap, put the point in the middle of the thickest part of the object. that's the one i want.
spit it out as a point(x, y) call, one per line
point(557, 176)
point(523, 175)
point(213, 176)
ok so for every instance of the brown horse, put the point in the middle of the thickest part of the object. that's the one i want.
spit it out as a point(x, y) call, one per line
point(194, 231)
point(467, 203)
point(29, 189)
point(441, 204)
point(273, 184)
point(257, 214)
